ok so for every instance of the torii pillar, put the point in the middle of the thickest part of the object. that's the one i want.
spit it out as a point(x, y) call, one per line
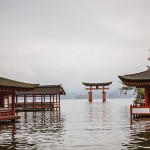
point(104, 94)
point(97, 86)
point(90, 94)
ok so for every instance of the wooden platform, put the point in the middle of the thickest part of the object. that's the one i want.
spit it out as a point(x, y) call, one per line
point(38, 106)
point(12, 117)
point(7, 116)
point(21, 109)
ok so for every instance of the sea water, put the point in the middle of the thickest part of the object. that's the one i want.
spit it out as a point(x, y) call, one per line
point(79, 125)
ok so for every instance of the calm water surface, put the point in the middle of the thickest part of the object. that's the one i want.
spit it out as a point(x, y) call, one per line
point(78, 125)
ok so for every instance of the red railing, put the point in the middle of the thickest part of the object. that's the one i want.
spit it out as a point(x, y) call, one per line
point(6, 113)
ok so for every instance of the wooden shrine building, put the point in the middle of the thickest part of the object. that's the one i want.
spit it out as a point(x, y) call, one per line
point(97, 86)
point(43, 97)
point(139, 80)
point(8, 88)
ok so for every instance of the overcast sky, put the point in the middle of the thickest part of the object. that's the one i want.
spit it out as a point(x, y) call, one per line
point(71, 41)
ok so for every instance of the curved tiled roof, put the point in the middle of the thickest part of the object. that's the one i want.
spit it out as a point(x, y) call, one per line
point(141, 79)
point(141, 76)
point(7, 83)
point(44, 90)
point(97, 84)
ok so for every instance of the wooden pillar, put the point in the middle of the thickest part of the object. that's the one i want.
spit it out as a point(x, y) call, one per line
point(34, 101)
point(147, 98)
point(104, 94)
point(13, 104)
point(53, 102)
point(50, 100)
point(41, 100)
point(56, 98)
point(44, 101)
point(59, 100)
point(131, 114)
point(90, 94)
point(1, 101)
point(16, 101)
point(8, 102)
point(24, 101)
point(56, 102)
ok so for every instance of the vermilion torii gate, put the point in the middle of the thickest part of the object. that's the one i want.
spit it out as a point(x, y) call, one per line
point(97, 86)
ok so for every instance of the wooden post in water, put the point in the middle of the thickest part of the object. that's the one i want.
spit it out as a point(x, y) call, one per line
point(16, 101)
point(50, 101)
point(104, 94)
point(131, 114)
point(147, 97)
point(44, 101)
point(25, 101)
point(13, 104)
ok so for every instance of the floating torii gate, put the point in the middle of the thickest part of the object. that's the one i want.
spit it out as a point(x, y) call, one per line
point(97, 86)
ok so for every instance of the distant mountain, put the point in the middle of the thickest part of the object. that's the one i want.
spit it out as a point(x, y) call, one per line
point(110, 95)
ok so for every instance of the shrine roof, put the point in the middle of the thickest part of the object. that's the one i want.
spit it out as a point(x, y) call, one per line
point(15, 85)
point(44, 90)
point(97, 84)
point(142, 78)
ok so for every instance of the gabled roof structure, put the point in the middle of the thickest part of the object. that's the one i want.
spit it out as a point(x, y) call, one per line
point(44, 90)
point(138, 79)
point(97, 84)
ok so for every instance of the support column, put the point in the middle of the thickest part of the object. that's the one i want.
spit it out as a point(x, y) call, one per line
point(59, 100)
point(131, 114)
point(13, 104)
point(44, 101)
point(41, 100)
point(104, 94)
point(56, 102)
point(1, 101)
point(8, 102)
point(24, 101)
point(53, 102)
point(16, 101)
point(90, 96)
point(147, 98)
point(50, 101)
point(34, 101)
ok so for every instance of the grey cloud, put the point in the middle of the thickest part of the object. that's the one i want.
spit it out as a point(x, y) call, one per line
point(52, 42)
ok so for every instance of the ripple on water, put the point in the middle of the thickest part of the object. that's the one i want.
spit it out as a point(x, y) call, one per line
point(80, 125)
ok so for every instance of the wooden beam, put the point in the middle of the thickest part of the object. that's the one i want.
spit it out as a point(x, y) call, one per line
point(97, 88)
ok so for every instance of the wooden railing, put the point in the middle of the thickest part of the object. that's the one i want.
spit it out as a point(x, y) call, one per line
point(38, 105)
point(6, 113)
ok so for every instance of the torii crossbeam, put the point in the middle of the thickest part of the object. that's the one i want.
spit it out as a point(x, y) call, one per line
point(97, 86)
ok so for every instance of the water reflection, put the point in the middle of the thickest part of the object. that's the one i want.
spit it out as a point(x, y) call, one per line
point(34, 130)
point(80, 125)
point(140, 135)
